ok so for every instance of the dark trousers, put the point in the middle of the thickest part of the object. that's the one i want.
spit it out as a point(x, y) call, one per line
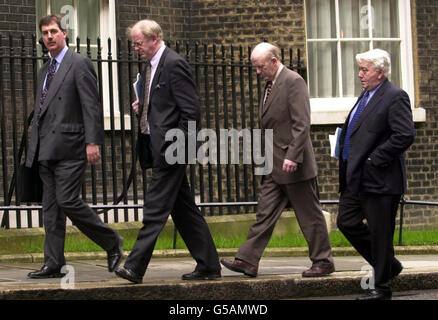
point(62, 182)
point(373, 239)
point(169, 194)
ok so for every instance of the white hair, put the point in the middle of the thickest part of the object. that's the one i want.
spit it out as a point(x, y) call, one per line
point(380, 59)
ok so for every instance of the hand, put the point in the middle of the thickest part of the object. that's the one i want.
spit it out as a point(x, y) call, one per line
point(289, 166)
point(135, 106)
point(93, 153)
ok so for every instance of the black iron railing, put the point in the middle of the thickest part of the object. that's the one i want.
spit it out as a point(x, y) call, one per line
point(229, 90)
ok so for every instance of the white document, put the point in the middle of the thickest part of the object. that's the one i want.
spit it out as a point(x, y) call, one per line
point(136, 85)
point(334, 143)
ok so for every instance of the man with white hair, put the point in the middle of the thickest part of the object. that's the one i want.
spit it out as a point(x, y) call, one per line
point(372, 172)
point(285, 109)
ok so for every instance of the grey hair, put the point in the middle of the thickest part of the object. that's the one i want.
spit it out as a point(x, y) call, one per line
point(380, 59)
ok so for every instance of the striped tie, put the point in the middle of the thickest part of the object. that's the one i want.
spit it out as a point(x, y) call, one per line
point(143, 121)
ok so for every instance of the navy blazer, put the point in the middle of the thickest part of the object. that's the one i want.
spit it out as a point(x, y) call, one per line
point(383, 132)
point(173, 102)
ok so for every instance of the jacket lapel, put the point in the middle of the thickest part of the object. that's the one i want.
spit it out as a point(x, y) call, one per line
point(276, 89)
point(157, 73)
point(40, 81)
point(57, 80)
point(372, 104)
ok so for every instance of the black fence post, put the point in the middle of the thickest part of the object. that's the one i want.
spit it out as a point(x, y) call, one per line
point(402, 209)
point(229, 96)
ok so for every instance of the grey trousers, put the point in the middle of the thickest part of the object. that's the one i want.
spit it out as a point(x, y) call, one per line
point(62, 182)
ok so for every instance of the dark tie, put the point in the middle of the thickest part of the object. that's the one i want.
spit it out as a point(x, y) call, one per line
point(143, 119)
point(351, 125)
point(50, 75)
point(268, 89)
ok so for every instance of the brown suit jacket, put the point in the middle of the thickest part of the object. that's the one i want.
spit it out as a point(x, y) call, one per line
point(287, 113)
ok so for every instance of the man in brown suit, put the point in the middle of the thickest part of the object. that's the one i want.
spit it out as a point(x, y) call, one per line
point(285, 108)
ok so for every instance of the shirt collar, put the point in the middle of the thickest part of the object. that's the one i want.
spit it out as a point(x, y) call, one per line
point(156, 58)
point(60, 55)
point(373, 91)
point(278, 72)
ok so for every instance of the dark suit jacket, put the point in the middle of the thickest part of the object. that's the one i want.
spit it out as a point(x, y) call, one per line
point(71, 116)
point(383, 132)
point(173, 102)
point(287, 113)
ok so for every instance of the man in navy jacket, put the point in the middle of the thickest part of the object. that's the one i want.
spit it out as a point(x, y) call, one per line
point(372, 172)
point(168, 100)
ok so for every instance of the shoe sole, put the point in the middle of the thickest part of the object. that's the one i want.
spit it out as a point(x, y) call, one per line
point(55, 275)
point(244, 271)
point(316, 275)
point(310, 275)
point(210, 277)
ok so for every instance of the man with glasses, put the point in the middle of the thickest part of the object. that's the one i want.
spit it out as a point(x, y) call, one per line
point(168, 99)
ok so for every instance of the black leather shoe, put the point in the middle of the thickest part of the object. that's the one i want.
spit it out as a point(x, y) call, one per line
point(198, 275)
point(115, 255)
point(128, 274)
point(396, 269)
point(376, 295)
point(45, 272)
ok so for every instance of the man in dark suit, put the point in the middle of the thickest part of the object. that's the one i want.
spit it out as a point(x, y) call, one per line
point(372, 173)
point(66, 132)
point(168, 100)
point(285, 109)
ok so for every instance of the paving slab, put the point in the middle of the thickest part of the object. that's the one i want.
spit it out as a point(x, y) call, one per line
point(279, 278)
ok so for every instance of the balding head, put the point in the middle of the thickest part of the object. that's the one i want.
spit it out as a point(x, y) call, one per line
point(266, 50)
point(265, 57)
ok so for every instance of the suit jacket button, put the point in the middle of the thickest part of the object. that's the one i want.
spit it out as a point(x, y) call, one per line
point(53, 131)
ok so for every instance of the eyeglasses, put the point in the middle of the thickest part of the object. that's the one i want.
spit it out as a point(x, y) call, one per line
point(137, 44)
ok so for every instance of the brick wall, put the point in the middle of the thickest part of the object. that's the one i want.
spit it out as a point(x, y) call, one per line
point(17, 15)
point(422, 158)
point(172, 15)
point(248, 22)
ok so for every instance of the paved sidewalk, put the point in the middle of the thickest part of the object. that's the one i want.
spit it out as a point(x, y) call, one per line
point(279, 278)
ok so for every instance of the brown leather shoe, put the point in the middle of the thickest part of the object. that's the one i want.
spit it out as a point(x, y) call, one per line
point(241, 266)
point(319, 270)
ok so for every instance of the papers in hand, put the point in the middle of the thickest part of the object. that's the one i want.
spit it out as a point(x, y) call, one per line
point(334, 143)
point(137, 85)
